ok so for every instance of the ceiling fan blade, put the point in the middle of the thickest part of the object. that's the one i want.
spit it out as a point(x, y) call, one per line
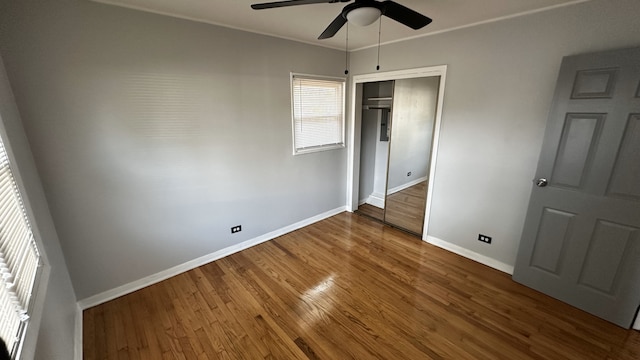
point(333, 28)
point(404, 15)
point(277, 4)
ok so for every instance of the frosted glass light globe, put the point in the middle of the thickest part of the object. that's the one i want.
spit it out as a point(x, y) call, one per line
point(363, 16)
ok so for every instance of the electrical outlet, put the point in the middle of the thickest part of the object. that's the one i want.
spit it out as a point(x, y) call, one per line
point(235, 229)
point(484, 238)
point(409, 173)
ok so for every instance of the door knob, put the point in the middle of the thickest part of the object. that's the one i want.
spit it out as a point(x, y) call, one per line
point(542, 182)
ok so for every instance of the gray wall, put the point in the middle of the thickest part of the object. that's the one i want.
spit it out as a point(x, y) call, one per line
point(55, 339)
point(500, 81)
point(154, 135)
point(414, 114)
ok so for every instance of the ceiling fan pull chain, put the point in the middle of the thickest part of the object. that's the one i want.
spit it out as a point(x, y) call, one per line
point(379, 31)
point(346, 53)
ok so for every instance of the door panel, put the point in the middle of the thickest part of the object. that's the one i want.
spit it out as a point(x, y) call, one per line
point(578, 142)
point(580, 241)
point(594, 84)
point(551, 240)
point(626, 173)
point(610, 244)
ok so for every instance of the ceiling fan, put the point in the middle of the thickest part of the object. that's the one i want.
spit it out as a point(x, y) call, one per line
point(361, 12)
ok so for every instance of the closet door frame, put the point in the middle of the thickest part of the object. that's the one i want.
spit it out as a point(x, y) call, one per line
point(354, 127)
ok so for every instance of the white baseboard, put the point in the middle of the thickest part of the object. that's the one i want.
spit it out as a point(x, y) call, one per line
point(636, 325)
point(77, 352)
point(407, 185)
point(165, 274)
point(482, 259)
point(376, 200)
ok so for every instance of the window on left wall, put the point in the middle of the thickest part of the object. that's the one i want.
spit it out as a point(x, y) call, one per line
point(20, 260)
point(317, 113)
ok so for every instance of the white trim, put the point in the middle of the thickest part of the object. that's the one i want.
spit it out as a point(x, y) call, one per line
point(636, 325)
point(77, 354)
point(482, 259)
point(204, 21)
point(319, 148)
point(10, 117)
point(376, 200)
point(353, 172)
point(30, 340)
point(326, 45)
point(434, 151)
point(483, 22)
point(192, 264)
point(343, 81)
point(428, 71)
point(406, 185)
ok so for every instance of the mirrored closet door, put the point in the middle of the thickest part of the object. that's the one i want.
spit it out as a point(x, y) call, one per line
point(398, 119)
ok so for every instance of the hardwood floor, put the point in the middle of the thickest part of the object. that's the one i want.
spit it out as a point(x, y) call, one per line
point(371, 211)
point(405, 208)
point(347, 288)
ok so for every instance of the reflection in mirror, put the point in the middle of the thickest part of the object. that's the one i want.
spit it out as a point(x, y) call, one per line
point(374, 147)
point(414, 111)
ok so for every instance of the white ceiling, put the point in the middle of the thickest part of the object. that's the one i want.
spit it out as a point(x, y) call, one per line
point(304, 23)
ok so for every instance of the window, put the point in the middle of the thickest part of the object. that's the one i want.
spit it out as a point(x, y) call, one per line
point(19, 260)
point(318, 113)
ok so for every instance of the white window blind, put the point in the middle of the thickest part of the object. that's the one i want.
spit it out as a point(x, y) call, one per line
point(318, 113)
point(19, 259)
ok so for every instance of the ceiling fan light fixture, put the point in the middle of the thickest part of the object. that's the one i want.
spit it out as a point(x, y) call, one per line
point(364, 16)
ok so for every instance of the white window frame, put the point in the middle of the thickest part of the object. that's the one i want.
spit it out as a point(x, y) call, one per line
point(323, 147)
point(30, 328)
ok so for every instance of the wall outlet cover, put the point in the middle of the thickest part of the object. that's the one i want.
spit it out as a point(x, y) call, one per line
point(484, 238)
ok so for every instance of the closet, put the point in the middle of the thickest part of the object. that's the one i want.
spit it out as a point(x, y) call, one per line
point(397, 128)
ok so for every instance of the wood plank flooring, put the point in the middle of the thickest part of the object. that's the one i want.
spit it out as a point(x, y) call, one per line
point(371, 211)
point(405, 208)
point(347, 287)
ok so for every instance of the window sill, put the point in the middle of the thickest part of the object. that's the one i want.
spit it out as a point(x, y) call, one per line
point(317, 149)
